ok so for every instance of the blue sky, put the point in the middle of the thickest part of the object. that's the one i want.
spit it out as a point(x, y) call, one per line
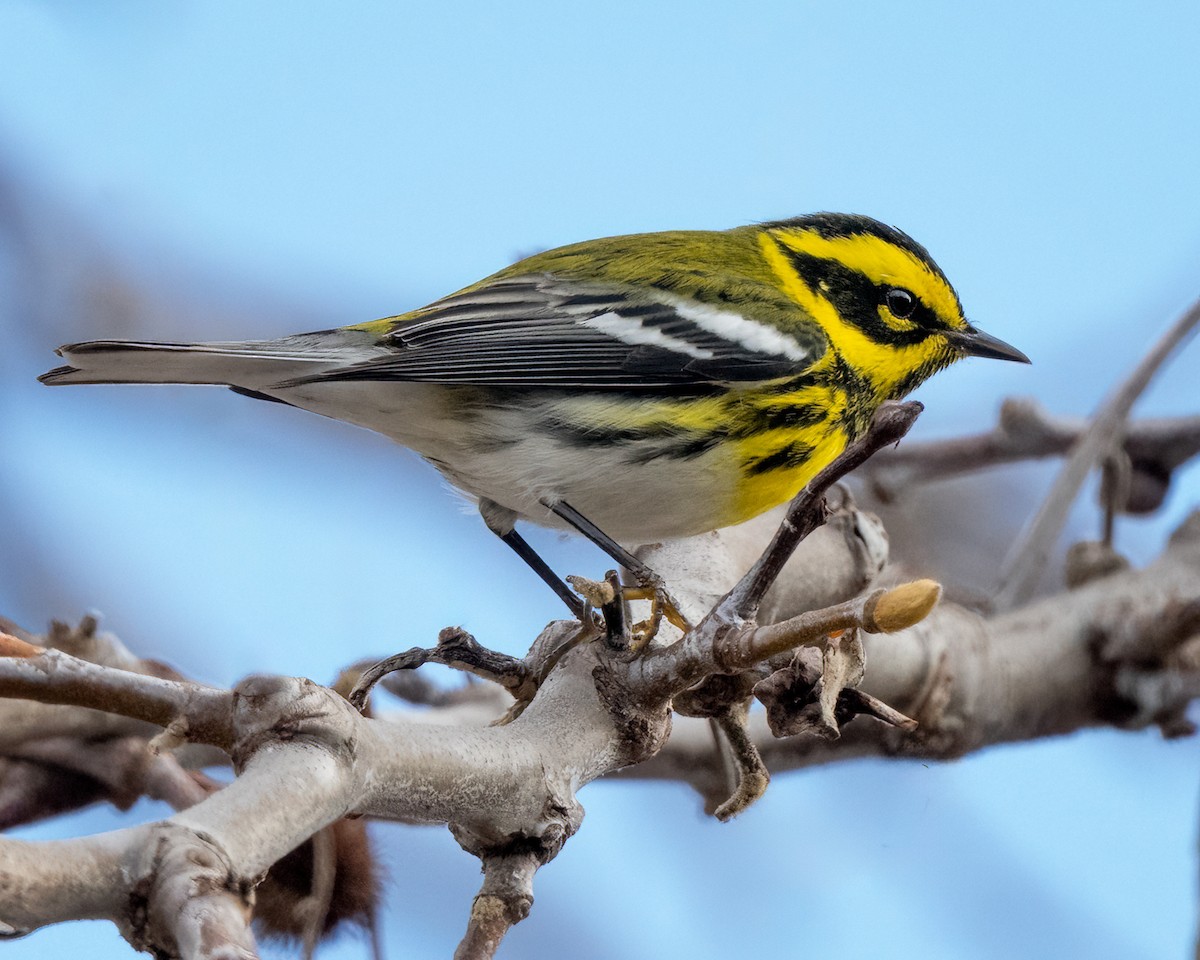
point(279, 166)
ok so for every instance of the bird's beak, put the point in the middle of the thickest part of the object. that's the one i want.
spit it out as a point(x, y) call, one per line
point(976, 343)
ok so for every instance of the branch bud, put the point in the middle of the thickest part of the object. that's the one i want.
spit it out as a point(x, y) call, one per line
point(901, 607)
point(10, 646)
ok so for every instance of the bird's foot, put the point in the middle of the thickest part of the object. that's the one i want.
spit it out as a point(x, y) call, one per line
point(650, 586)
point(610, 597)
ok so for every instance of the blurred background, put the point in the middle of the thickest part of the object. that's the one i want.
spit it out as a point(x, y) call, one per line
point(223, 170)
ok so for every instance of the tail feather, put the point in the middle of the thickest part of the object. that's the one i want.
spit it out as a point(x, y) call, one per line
point(58, 375)
point(248, 364)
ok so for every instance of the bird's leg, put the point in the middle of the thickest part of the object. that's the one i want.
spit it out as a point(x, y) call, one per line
point(522, 549)
point(652, 586)
point(616, 614)
point(500, 521)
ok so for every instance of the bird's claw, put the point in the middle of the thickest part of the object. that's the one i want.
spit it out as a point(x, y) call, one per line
point(652, 587)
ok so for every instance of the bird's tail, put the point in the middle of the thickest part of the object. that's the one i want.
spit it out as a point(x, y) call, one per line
point(241, 364)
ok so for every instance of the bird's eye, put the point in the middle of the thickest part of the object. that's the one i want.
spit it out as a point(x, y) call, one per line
point(900, 302)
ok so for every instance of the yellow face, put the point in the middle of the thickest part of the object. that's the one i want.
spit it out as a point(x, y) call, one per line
point(887, 309)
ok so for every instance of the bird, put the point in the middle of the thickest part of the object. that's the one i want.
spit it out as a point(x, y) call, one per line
point(634, 388)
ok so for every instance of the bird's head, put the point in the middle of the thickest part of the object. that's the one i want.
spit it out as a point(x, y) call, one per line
point(886, 307)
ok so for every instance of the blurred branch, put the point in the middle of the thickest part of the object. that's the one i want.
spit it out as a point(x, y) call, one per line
point(1028, 556)
point(1025, 431)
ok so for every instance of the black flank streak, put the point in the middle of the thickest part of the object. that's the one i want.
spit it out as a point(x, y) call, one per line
point(684, 448)
point(785, 458)
point(657, 440)
point(797, 383)
point(791, 417)
point(578, 436)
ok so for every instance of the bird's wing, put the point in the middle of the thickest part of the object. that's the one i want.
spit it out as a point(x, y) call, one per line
point(541, 331)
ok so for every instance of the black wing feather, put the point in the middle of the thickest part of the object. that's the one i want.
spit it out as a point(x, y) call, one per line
point(543, 332)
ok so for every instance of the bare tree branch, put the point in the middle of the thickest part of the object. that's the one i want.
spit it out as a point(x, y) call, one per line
point(1029, 555)
point(1124, 650)
point(1025, 431)
point(504, 900)
point(56, 678)
point(1099, 654)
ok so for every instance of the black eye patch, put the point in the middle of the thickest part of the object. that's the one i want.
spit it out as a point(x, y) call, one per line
point(857, 299)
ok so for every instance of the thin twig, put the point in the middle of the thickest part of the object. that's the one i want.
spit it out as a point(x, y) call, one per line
point(58, 678)
point(1025, 430)
point(806, 511)
point(316, 904)
point(504, 901)
point(884, 611)
point(752, 774)
point(666, 672)
point(455, 648)
point(1029, 555)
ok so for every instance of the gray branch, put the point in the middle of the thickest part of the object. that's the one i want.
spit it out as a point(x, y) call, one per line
point(1119, 651)
point(1122, 651)
point(1027, 431)
point(1028, 556)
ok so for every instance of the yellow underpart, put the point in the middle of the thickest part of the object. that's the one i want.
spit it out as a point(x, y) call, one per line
point(751, 493)
point(694, 415)
point(757, 493)
point(882, 364)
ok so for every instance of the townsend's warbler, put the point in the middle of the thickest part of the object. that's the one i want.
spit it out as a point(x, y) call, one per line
point(657, 385)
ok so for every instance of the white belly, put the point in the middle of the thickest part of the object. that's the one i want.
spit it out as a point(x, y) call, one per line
point(506, 453)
